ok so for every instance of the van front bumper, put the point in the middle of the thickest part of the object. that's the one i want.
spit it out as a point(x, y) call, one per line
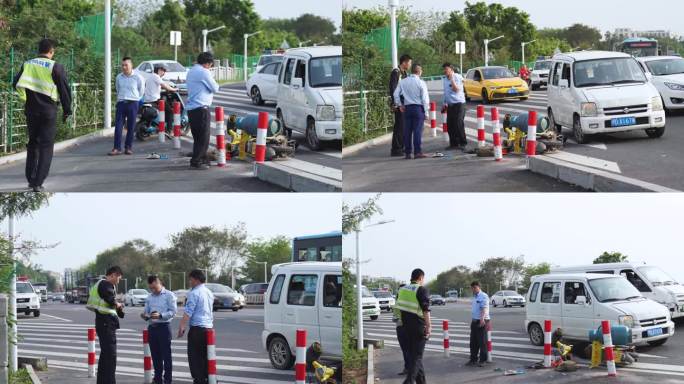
point(639, 334)
point(602, 123)
point(329, 129)
point(22, 307)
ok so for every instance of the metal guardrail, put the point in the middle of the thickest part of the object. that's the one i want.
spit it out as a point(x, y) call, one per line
point(367, 111)
point(254, 298)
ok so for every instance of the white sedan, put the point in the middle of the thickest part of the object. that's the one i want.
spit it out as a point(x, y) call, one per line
point(263, 85)
point(136, 297)
point(667, 74)
point(175, 72)
point(507, 299)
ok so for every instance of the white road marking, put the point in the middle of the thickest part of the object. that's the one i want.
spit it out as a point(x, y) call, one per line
point(592, 162)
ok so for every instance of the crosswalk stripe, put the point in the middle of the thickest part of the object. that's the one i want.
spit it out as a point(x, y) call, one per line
point(133, 345)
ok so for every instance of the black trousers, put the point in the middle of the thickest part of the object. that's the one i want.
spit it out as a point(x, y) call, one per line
point(197, 355)
point(200, 128)
point(415, 345)
point(456, 125)
point(398, 133)
point(160, 347)
point(41, 133)
point(401, 337)
point(106, 334)
point(478, 341)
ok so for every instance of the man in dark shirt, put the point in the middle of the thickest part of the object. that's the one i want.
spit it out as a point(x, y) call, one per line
point(398, 130)
point(106, 326)
point(41, 113)
point(417, 329)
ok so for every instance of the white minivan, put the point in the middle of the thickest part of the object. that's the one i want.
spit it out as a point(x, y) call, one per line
point(310, 93)
point(650, 280)
point(304, 295)
point(602, 92)
point(577, 303)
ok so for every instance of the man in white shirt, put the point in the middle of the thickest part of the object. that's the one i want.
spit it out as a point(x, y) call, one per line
point(154, 84)
point(412, 98)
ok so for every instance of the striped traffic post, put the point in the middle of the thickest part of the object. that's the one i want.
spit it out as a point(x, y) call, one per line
point(147, 357)
point(496, 134)
point(445, 129)
point(161, 126)
point(489, 341)
point(445, 327)
point(531, 146)
point(176, 125)
point(547, 343)
point(91, 352)
point(220, 137)
point(608, 348)
point(433, 119)
point(300, 362)
point(481, 126)
point(211, 356)
point(260, 150)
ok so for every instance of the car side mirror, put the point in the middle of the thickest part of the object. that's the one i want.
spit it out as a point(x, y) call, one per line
point(581, 300)
point(297, 82)
point(564, 83)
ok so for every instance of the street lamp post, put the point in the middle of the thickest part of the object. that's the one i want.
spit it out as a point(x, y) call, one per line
point(486, 44)
point(523, 48)
point(301, 43)
point(13, 363)
point(265, 263)
point(393, 5)
point(244, 59)
point(205, 32)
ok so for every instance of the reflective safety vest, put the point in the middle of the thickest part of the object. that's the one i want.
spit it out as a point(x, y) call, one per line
point(396, 316)
point(37, 76)
point(407, 300)
point(96, 304)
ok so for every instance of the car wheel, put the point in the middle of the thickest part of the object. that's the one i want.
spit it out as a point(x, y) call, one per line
point(493, 303)
point(536, 334)
point(655, 133)
point(485, 97)
point(28, 312)
point(235, 309)
point(535, 87)
point(141, 131)
point(552, 122)
point(656, 343)
point(311, 136)
point(286, 131)
point(279, 353)
point(504, 304)
point(374, 317)
point(36, 313)
point(580, 137)
point(256, 96)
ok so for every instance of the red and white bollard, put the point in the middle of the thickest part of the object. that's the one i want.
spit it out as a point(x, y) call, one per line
point(260, 149)
point(489, 341)
point(531, 146)
point(481, 126)
point(300, 362)
point(176, 124)
point(547, 343)
point(91, 352)
point(220, 137)
point(445, 327)
point(608, 348)
point(211, 356)
point(445, 128)
point(147, 357)
point(161, 126)
point(496, 135)
point(433, 119)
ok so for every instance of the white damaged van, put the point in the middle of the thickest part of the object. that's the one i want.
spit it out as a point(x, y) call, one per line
point(577, 303)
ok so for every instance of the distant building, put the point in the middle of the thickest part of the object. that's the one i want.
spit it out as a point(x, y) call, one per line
point(624, 33)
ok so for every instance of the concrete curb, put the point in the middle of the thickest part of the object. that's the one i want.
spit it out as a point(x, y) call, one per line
point(32, 374)
point(589, 178)
point(353, 149)
point(370, 376)
point(288, 175)
point(62, 145)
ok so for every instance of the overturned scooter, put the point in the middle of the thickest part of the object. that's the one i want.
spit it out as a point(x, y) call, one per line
point(515, 126)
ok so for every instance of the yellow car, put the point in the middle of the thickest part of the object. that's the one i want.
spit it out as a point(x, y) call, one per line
point(494, 83)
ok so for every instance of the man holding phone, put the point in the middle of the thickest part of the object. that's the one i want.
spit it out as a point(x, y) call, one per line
point(198, 313)
point(160, 308)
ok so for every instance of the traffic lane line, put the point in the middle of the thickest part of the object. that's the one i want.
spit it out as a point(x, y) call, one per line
point(451, 327)
point(463, 338)
point(133, 345)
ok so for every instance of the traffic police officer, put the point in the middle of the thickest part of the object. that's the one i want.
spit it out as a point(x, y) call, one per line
point(401, 333)
point(42, 84)
point(414, 302)
point(102, 301)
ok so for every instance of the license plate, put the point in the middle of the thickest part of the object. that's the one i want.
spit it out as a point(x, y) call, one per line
point(623, 121)
point(368, 312)
point(654, 332)
point(226, 302)
point(512, 90)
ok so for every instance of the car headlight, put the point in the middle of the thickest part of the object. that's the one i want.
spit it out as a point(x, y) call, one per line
point(589, 109)
point(675, 86)
point(657, 103)
point(325, 112)
point(626, 320)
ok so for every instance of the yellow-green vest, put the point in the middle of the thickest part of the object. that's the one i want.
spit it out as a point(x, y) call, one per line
point(96, 304)
point(407, 300)
point(396, 315)
point(37, 76)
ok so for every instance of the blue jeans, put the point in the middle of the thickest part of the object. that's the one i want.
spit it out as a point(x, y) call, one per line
point(125, 110)
point(160, 346)
point(414, 117)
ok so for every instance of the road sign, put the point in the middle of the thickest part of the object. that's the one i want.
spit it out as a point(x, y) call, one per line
point(175, 38)
point(460, 48)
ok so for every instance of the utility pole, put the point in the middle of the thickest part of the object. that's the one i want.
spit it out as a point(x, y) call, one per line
point(523, 49)
point(13, 341)
point(247, 36)
point(486, 44)
point(359, 306)
point(393, 5)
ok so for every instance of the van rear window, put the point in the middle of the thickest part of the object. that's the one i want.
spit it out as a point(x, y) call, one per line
point(277, 288)
point(533, 292)
point(332, 291)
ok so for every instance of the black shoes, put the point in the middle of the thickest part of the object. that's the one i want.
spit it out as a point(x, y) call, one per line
point(202, 166)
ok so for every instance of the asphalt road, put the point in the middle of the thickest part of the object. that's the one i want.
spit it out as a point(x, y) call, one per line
point(631, 154)
point(60, 335)
point(511, 350)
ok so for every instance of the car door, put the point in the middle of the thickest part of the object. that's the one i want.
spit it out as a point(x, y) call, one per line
point(567, 102)
point(578, 318)
point(300, 104)
point(553, 91)
point(284, 96)
point(301, 311)
point(476, 84)
point(330, 314)
point(270, 82)
point(549, 303)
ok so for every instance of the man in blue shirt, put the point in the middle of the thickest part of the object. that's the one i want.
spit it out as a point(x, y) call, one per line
point(130, 88)
point(201, 88)
point(478, 326)
point(454, 102)
point(198, 313)
point(413, 100)
point(160, 308)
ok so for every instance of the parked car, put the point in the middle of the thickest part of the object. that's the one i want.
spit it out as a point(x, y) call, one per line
point(452, 296)
point(303, 295)
point(602, 92)
point(437, 300)
point(310, 94)
point(181, 296)
point(262, 86)
point(667, 74)
point(28, 300)
point(578, 303)
point(494, 83)
point(58, 296)
point(254, 293)
point(225, 297)
point(175, 72)
point(385, 300)
point(507, 299)
point(267, 59)
point(539, 76)
point(135, 297)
